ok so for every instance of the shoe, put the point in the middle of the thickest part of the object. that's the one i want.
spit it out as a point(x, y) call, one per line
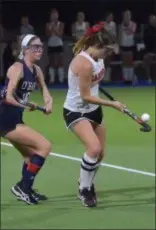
point(38, 196)
point(87, 198)
point(23, 194)
point(92, 189)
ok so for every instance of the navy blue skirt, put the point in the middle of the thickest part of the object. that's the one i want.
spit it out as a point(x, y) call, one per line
point(10, 117)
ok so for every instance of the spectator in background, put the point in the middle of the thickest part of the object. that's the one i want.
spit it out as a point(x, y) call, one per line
point(79, 27)
point(150, 45)
point(9, 55)
point(25, 27)
point(55, 32)
point(109, 23)
point(110, 26)
point(127, 31)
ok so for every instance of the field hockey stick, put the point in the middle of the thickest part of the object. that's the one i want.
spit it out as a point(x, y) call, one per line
point(39, 108)
point(145, 127)
point(31, 106)
point(22, 102)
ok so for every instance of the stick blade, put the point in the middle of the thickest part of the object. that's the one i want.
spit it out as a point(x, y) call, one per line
point(146, 129)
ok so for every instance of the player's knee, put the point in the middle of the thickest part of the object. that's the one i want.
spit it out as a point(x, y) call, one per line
point(48, 147)
point(45, 149)
point(95, 150)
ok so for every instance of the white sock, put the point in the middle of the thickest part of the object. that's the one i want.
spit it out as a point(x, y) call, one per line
point(125, 74)
point(52, 73)
point(61, 74)
point(95, 172)
point(130, 74)
point(135, 79)
point(87, 171)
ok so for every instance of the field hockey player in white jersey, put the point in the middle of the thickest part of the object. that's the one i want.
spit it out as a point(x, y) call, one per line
point(83, 106)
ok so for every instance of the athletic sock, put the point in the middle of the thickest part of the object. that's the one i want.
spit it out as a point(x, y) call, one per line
point(24, 168)
point(52, 73)
point(95, 172)
point(125, 73)
point(31, 169)
point(130, 73)
point(61, 74)
point(87, 171)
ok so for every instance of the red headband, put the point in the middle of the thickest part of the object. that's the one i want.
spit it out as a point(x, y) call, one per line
point(94, 29)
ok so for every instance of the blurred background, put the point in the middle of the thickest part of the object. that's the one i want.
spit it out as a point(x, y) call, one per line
point(61, 23)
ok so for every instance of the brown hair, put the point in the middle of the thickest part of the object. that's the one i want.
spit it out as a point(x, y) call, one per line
point(99, 39)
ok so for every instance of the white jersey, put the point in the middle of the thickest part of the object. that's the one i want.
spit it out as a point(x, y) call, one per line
point(54, 40)
point(80, 29)
point(73, 101)
point(127, 39)
point(111, 27)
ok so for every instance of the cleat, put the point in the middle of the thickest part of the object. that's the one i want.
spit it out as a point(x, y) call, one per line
point(23, 194)
point(92, 189)
point(87, 198)
point(37, 196)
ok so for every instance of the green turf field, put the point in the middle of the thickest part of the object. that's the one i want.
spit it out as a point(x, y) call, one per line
point(126, 198)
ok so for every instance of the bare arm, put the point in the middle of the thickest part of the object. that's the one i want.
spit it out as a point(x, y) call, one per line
point(46, 95)
point(47, 30)
point(85, 76)
point(59, 30)
point(132, 27)
point(14, 74)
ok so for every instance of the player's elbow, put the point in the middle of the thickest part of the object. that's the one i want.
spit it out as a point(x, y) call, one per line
point(84, 97)
point(9, 99)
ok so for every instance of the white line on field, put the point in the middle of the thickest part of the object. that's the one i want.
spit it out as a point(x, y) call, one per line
point(103, 164)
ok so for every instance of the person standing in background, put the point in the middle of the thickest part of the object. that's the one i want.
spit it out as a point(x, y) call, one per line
point(150, 45)
point(127, 31)
point(55, 32)
point(109, 23)
point(79, 27)
point(25, 27)
point(110, 26)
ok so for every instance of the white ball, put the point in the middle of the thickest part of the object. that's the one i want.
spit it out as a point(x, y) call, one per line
point(145, 117)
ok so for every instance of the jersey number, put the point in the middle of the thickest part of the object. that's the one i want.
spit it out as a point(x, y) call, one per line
point(26, 96)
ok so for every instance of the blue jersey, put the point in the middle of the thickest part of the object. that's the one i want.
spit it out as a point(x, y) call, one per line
point(25, 86)
point(11, 115)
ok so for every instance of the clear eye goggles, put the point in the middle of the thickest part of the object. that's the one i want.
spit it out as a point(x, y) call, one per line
point(36, 47)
